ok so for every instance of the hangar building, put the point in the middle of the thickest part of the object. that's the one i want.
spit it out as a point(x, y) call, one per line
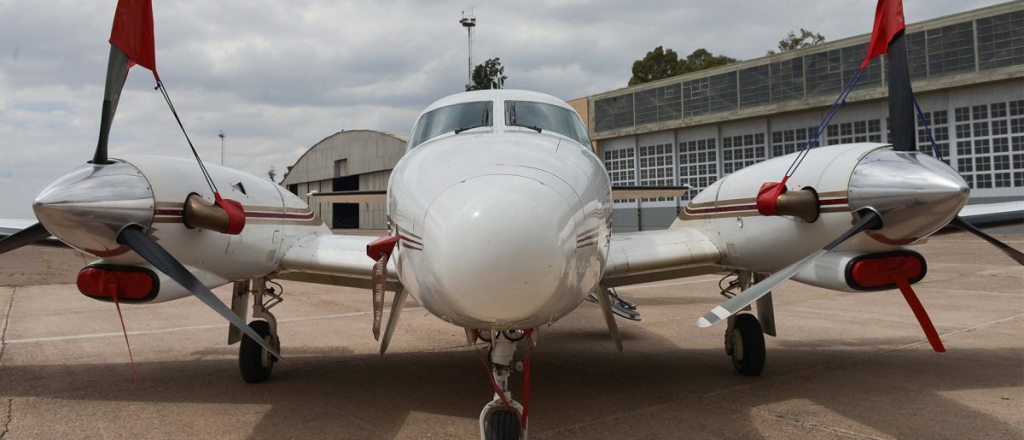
point(967, 71)
point(347, 161)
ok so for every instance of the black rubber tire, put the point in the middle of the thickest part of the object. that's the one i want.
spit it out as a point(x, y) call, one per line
point(748, 359)
point(504, 425)
point(250, 355)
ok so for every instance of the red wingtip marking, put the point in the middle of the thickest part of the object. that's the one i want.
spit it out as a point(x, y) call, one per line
point(919, 312)
point(117, 304)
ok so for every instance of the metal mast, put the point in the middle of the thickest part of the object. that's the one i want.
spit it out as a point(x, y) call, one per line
point(469, 22)
point(221, 136)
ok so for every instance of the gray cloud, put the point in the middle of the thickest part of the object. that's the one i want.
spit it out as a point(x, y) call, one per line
point(279, 76)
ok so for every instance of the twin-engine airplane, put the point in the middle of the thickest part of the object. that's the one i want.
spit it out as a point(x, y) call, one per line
point(499, 223)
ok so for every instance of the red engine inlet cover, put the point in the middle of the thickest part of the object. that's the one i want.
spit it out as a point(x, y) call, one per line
point(131, 284)
point(875, 271)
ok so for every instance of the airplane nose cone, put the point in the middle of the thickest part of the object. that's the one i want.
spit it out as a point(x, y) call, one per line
point(499, 247)
point(915, 193)
point(88, 206)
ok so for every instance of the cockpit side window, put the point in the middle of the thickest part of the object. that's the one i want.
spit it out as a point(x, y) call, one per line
point(546, 117)
point(453, 118)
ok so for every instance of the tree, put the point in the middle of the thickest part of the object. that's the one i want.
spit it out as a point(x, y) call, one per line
point(489, 75)
point(272, 174)
point(657, 64)
point(664, 63)
point(701, 59)
point(794, 42)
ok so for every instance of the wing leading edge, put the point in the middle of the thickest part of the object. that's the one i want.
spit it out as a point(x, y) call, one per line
point(333, 259)
point(643, 257)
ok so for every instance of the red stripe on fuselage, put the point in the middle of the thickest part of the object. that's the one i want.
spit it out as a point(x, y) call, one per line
point(753, 207)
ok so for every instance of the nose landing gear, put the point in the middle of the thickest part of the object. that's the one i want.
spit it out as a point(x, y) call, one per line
point(503, 418)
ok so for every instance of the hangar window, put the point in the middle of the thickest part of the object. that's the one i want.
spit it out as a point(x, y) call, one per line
point(790, 141)
point(872, 76)
point(621, 166)
point(1000, 42)
point(546, 117)
point(742, 151)
point(698, 165)
point(787, 80)
point(950, 49)
point(869, 130)
point(824, 73)
point(986, 146)
point(938, 121)
point(656, 168)
point(452, 118)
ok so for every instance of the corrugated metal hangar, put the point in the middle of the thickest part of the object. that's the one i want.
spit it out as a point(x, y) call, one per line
point(347, 161)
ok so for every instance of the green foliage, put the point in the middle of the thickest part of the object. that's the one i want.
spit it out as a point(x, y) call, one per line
point(489, 75)
point(664, 63)
point(794, 42)
point(701, 59)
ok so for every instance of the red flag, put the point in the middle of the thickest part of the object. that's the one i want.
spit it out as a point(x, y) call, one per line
point(888, 23)
point(133, 32)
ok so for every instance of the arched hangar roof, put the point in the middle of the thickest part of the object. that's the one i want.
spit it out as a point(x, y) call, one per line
point(363, 151)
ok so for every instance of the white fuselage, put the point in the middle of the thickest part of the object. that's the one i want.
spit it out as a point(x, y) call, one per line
point(500, 227)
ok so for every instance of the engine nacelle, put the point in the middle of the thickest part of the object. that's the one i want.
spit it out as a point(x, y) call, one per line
point(857, 272)
point(137, 284)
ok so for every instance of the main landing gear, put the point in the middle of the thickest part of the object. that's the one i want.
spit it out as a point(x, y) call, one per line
point(254, 362)
point(744, 336)
point(504, 418)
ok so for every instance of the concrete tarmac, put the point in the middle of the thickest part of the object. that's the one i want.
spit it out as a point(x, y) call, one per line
point(844, 365)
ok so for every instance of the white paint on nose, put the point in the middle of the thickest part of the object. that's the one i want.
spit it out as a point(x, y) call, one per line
point(500, 248)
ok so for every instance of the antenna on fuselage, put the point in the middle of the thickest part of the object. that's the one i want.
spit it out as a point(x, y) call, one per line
point(469, 22)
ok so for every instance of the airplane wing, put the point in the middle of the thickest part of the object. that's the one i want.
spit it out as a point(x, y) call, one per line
point(10, 227)
point(994, 214)
point(646, 256)
point(333, 259)
point(367, 196)
point(647, 192)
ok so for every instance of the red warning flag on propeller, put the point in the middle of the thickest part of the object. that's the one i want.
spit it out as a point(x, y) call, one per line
point(133, 33)
point(888, 23)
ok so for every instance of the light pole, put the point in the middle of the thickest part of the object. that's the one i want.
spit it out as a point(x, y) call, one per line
point(221, 136)
point(469, 23)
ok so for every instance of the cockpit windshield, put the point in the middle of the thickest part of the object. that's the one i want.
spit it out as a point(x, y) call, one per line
point(546, 117)
point(457, 118)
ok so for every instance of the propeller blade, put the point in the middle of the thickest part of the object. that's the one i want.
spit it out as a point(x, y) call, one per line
point(396, 312)
point(24, 237)
point(1016, 255)
point(603, 297)
point(733, 305)
point(156, 255)
point(117, 73)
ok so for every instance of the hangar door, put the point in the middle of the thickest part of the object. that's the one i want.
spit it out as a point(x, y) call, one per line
point(345, 215)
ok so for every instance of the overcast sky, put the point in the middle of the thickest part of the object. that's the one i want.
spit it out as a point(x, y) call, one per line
point(278, 76)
